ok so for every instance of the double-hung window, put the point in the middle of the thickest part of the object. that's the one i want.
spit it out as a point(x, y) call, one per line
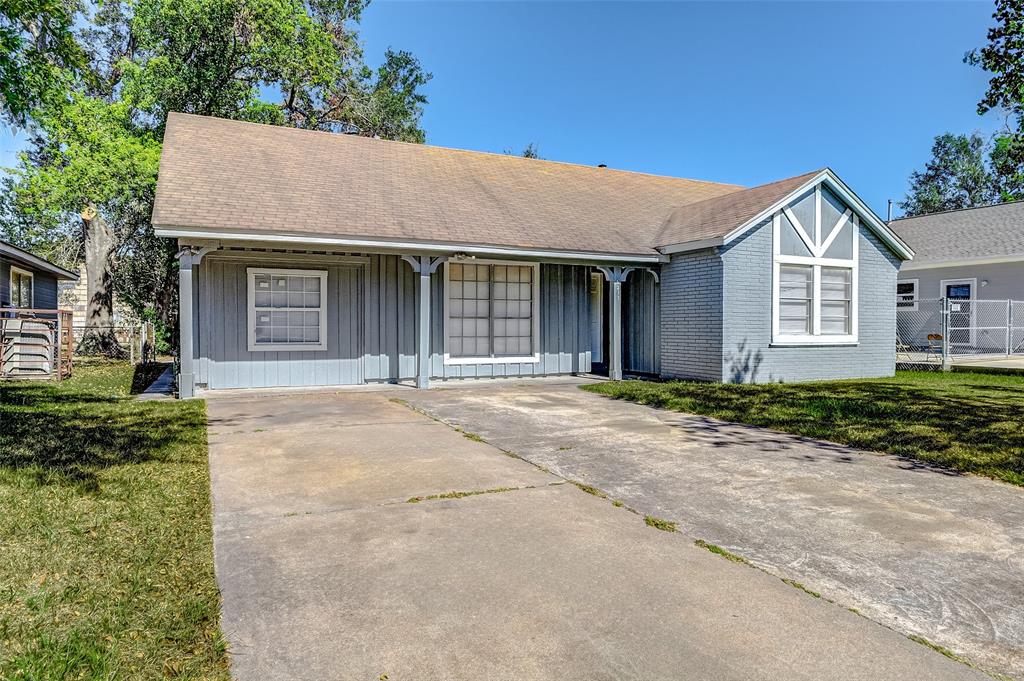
point(287, 309)
point(815, 270)
point(21, 288)
point(491, 312)
point(906, 294)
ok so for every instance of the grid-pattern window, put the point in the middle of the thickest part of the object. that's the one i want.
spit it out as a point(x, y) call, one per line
point(287, 309)
point(21, 288)
point(836, 300)
point(795, 299)
point(906, 294)
point(469, 310)
point(490, 310)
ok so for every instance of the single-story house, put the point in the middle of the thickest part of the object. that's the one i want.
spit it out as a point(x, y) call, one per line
point(28, 313)
point(974, 253)
point(966, 281)
point(312, 259)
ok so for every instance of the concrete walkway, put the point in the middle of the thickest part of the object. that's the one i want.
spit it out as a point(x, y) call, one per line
point(328, 572)
point(923, 551)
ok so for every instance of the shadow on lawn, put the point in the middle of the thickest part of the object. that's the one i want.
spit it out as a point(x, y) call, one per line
point(66, 436)
point(941, 427)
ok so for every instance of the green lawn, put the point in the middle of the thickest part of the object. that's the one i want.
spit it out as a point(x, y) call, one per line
point(106, 566)
point(969, 422)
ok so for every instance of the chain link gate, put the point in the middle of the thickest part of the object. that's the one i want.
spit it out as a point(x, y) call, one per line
point(938, 331)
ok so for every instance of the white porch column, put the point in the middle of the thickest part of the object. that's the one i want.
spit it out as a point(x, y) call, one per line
point(186, 375)
point(423, 337)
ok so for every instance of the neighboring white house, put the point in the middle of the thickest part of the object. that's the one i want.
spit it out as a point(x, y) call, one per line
point(310, 258)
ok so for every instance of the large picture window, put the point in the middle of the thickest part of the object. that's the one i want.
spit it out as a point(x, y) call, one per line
point(287, 309)
point(491, 312)
point(815, 270)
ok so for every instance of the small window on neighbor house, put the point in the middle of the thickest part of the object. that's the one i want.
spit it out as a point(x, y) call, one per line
point(491, 311)
point(287, 309)
point(21, 288)
point(906, 294)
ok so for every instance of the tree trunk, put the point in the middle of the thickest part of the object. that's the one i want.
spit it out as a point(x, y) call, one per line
point(99, 337)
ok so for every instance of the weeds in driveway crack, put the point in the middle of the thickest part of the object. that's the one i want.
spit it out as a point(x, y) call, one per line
point(590, 489)
point(660, 523)
point(460, 495)
point(718, 550)
point(797, 585)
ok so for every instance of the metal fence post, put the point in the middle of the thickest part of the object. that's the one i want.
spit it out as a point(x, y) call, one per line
point(946, 360)
point(1009, 325)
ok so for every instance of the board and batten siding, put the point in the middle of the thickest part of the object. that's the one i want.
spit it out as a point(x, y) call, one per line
point(641, 324)
point(371, 325)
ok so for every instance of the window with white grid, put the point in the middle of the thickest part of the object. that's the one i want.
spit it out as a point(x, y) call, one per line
point(815, 239)
point(491, 311)
point(287, 309)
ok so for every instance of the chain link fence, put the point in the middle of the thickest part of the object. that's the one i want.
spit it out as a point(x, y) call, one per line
point(136, 342)
point(940, 331)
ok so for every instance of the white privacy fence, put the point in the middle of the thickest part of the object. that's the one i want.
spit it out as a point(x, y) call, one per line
point(947, 328)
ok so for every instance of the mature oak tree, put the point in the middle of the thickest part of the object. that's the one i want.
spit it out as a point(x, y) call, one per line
point(955, 177)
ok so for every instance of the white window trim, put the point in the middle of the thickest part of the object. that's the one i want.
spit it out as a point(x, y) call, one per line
point(535, 317)
point(31, 287)
point(251, 273)
point(914, 299)
point(816, 260)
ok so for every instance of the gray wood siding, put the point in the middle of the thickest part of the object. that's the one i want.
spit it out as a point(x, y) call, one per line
point(641, 324)
point(222, 349)
point(371, 325)
point(564, 328)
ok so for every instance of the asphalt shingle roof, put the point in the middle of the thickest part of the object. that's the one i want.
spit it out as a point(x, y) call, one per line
point(217, 174)
point(987, 232)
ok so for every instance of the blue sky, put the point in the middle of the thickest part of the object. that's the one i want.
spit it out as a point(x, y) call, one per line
point(734, 92)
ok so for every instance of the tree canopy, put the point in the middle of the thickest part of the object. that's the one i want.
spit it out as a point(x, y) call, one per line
point(93, 83)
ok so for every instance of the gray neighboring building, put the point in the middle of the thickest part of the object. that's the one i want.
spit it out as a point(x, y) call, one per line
point(975, 253)
point(313, 259)
point(28, 281)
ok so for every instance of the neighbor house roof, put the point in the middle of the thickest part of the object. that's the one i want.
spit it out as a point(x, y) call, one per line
point(229, 179)
point(989, 233)
point(22, 257)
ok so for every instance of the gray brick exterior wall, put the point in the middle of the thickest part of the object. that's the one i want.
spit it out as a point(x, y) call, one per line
point(748, 355)
point(691, 316)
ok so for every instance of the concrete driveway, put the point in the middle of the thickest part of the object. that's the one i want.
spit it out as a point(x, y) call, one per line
point(922, 551)
point(327, 571)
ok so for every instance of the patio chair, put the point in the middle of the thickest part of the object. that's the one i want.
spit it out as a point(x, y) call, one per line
point(903, 350)
point(934, 347)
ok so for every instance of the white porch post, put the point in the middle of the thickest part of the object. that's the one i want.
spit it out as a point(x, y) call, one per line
point(186, 375)
point(423, 338)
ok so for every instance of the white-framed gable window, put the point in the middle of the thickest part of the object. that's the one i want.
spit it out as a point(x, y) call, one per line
point(815, 263)
point(287, 309)
point(491, 312)
point(906, 294)
point(22, 283)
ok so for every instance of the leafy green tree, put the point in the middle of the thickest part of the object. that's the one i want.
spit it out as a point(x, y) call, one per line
point(38, 53)
point(94, 152)
point(955, 177)
point(529, 151)
point(1003, 58)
